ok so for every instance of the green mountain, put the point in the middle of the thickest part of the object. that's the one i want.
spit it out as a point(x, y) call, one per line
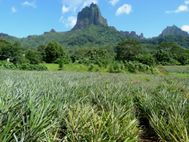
point(90, 36)
point(173, 30)
point(91, 29)
point(8, 37)
point(171, 34)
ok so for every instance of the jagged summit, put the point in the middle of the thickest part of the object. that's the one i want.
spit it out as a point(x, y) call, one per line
point(90, 16)
point(132, 34)
point(173, 30)
point(3, 35)
point(7, 37)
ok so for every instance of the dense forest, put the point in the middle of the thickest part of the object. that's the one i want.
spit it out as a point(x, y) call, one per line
point(129, 54)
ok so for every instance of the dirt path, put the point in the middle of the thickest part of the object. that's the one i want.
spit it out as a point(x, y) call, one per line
point(148, 134)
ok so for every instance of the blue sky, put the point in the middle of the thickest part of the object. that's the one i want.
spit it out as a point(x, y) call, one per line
point(27, 17)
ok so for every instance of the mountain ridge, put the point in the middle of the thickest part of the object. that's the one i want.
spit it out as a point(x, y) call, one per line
point(173, 30)
point(92, 29)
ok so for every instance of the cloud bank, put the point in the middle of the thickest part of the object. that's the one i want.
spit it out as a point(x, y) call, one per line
point(124, 9)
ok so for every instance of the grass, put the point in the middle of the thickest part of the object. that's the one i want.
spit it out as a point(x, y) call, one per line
point(181, 75)
point(176, 71)
point(92, 107)
point(52, 67)
point(75, 68)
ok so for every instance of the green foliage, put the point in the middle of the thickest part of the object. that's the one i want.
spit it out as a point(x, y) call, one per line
point(167, 111)
point(127, 50)
point(100, 127)
point(60, 64)
point(92, 107)
point(147, 59)
point(74, 67)
point(139, 67)
point(180, 40)
point(51, 67)
point(117, 67)
point(41, 50)
point(13, 52)
point(163, 57)
point(93, 68)
point(7, 65)
point(97, 56)
point(59, 107)
point(132, 67)
point(183, 59)
point(171, 53)
point(11, 66)
point(92, 35)
point(31, 67)
point(33, 56)
point(53, 52)
point(166, 53)
point(177, 69)
point(139, 57)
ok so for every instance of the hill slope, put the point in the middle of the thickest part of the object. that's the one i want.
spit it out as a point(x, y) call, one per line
point(173, 30)
point(90, 36)
point(8, 37)
point(91, 29)
point(172, 34)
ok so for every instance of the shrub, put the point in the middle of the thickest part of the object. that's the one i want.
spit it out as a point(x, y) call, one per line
point(116, 67)
point(8, 65)
point(93, 67)
point(138, 67)
point(33, 56)
point(183, 59)
point(31, 67)
point(146, 59)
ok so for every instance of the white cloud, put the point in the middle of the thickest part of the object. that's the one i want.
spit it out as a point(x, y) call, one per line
point(29, 4)
point(124, 9)
point(71, 21)
point(76, 5)
point(61, 19)
point(65, 9)
point(13, 9)
point(88, 2)
point(114, 2)
point(181, 8)
point(72, 7)
point(186, 2)
point(185, 28)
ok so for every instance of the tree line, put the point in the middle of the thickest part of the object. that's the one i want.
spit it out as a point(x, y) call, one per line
point(129, 53)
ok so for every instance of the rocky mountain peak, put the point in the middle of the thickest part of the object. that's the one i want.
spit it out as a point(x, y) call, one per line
point(90, 16)
point(173, 30)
